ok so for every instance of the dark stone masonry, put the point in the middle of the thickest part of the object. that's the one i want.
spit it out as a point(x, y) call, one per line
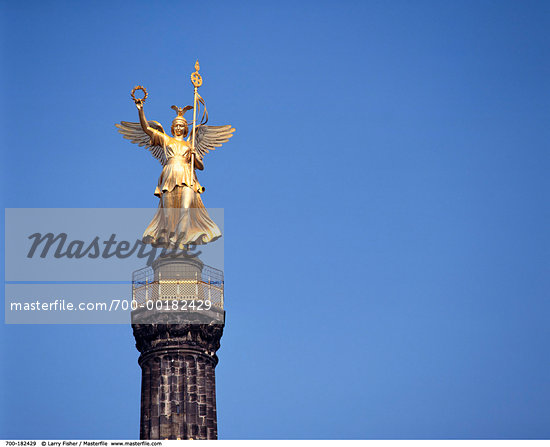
point(178, 388)
point(178, 336)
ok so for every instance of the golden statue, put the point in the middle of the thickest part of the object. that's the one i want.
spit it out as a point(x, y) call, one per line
point(181, 218)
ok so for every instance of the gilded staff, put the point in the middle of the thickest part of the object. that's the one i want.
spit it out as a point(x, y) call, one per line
point(196, 79)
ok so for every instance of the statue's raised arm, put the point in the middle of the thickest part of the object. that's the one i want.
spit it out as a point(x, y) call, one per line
point(148, 134)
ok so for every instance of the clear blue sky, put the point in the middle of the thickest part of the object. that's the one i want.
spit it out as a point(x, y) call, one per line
point(386, 208)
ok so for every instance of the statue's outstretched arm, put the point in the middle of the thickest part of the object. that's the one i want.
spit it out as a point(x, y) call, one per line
point(143, 121)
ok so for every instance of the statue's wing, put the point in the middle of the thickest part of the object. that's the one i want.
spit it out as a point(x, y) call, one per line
point(208, 138)
point(134, 133)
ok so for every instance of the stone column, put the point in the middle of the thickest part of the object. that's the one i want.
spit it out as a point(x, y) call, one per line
point(178, 360)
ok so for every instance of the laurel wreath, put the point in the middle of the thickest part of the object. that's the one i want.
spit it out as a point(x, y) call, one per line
point(139, 100)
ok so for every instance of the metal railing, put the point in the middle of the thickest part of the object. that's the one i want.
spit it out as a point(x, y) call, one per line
point(178, 282)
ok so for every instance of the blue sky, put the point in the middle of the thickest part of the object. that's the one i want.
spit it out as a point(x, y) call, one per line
point(385, 196)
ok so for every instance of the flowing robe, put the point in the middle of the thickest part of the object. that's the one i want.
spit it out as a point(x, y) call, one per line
point(181, 218)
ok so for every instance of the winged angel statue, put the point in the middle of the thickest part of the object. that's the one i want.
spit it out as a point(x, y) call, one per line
point(181, 218)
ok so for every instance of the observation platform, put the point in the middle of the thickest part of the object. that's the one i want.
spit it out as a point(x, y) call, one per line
point(178, 278)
